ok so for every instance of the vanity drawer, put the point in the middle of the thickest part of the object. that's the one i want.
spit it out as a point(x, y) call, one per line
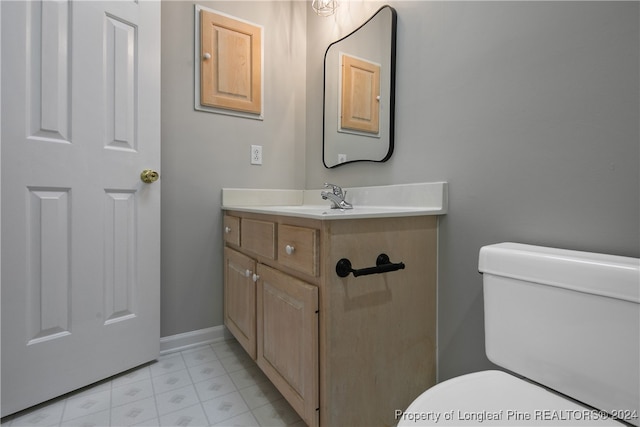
point(231, 228)
point(298, 248)
point(259, 237)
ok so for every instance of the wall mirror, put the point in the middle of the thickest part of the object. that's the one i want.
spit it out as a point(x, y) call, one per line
point(359, 93)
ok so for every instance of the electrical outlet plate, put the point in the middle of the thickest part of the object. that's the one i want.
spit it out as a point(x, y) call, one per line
point(256, 154)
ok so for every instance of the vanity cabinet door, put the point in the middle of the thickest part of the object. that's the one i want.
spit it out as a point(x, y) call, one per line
point(240, 298)
point(287, 310)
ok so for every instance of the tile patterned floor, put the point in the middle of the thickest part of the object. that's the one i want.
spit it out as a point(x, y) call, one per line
point(211, 385)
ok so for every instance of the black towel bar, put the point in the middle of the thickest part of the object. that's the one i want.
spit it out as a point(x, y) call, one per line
point(383, 265)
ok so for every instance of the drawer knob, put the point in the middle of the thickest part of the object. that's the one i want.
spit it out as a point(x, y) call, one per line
point(247, 273)
point(289, 249)
point(227, 230)
point(255, 277)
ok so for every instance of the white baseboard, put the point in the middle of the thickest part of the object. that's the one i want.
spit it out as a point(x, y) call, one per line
point(186, 340)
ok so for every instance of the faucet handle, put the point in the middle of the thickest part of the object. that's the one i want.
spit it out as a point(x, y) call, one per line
point(337, 190)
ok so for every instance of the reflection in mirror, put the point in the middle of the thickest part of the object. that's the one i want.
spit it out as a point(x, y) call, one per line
point(359, 93)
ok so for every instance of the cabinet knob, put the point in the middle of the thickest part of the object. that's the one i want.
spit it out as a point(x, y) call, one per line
point(247, 273)
point(227, 229)
point(289, 249)
point(255, 277)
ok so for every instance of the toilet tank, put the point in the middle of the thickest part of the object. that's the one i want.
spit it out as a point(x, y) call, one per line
point(568, 320)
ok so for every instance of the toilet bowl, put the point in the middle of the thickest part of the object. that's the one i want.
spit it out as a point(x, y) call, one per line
point(496, 398)
point(566, 326)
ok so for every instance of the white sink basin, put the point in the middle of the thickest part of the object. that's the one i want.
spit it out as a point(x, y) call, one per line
point(368, 202)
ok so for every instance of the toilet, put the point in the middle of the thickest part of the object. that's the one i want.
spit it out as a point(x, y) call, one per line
point(565, 327)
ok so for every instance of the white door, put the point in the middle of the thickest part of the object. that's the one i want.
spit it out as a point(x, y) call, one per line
point(80, 230)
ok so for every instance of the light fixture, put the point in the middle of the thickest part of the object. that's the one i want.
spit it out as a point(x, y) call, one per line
point(324, 7)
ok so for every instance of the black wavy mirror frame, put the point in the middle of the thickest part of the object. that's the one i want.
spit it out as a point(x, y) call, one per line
point(359, 93)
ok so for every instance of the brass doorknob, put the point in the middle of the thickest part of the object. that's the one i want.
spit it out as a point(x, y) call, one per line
point(149, 176)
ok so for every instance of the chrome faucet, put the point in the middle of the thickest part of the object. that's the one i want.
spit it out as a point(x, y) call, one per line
point(336, 195)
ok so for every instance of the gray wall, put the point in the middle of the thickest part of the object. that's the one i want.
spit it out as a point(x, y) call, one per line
point(204, 152)
point(529, 110)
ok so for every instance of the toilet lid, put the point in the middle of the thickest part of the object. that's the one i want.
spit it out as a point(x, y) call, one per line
point(496, 398)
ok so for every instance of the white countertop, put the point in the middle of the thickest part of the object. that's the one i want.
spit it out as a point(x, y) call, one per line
point(368, 202)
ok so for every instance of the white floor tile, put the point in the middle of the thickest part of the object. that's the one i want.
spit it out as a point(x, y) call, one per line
point(206, 371)
point(88, 403)
point(243, 420)
point(92, 389)
point(224, 407)
point(177, 399)
point(236, 363)
point(248, 377)
point(98, 419)
point(228, 349)
point(260, 394)
point(275, 414)
point(142, 373)
point(171, 381)
point(131, 392)
point(215, 387)
point(46, 416)
point(216, 384)
point(166, 364)
point(199, 355)
point(153, 422)
point(134, 413)
point(187, 417)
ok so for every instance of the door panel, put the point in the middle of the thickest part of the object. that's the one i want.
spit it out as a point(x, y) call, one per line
point(48, 312)
point(80, 231)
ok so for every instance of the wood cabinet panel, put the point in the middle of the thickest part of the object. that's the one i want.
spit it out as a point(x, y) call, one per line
point(259, 237)
point(240, 298)
point(342, 351)
point(360, 95)
point(381, 336)
point(288, 339)
point(231, 63)
point(298, 248)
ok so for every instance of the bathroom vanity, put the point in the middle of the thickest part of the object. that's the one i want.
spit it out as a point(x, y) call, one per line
point(342, 350)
